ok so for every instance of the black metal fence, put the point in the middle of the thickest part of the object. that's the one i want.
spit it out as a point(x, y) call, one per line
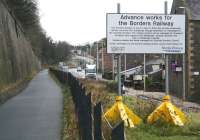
point(89, 116)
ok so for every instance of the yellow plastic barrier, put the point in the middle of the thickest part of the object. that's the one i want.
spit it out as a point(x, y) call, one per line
point(167, 112)
point(120, 111)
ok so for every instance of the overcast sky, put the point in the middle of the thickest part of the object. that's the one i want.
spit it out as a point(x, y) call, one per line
point(82, 21)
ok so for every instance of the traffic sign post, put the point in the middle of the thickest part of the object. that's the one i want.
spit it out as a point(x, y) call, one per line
point(119, 63)
point(167, 62)
point(145, 34)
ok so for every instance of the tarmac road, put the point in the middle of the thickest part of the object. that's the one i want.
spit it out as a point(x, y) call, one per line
point(35, 114)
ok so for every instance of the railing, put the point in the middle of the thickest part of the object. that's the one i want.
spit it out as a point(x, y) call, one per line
point(89, 115)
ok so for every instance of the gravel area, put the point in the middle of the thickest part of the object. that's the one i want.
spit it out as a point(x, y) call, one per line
point(157, 97)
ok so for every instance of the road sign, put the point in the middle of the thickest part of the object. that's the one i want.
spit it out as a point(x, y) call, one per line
point(145, 33)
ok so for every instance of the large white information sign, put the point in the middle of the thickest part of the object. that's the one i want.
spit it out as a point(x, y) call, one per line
point(145, 33)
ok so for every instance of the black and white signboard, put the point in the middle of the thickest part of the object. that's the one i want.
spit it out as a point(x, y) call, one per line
point(145, 33)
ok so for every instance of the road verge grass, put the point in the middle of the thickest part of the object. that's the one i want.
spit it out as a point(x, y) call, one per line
point(101, 91)
point(70, 123)
point(70, 129)
point(106, 92)
point(10, 90)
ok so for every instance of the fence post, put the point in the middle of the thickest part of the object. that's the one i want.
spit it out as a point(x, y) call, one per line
point(88, 117)
point(118, 132)
point(97, 122)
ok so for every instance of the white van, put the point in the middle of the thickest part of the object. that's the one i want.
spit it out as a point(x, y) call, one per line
point(90, 71)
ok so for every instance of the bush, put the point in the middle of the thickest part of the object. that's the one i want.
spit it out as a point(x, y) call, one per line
point(112, 86)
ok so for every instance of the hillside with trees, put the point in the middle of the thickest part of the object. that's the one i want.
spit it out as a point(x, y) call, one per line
point(24, 45)
point(27, 15)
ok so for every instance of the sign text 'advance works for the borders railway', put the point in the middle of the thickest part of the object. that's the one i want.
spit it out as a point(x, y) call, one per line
point(145, 33)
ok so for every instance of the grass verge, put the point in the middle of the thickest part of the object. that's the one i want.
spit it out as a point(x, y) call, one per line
point(70, 124)
point(8, 91)
point(101, 91)
point(70, 129)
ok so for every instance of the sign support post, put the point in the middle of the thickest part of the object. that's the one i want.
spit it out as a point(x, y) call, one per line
point(125, 66)
point(119, 63)
point(144, 72)
point(184, 63)
point(145, 34)
point(119, 74)
point(166, 63)
point(113, 67)
point(184, 89)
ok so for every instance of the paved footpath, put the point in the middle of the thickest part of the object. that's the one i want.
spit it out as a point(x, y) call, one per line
point(35, 114)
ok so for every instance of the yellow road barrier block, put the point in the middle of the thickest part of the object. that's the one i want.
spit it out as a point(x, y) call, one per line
point(168, 112)
point(120, 111)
